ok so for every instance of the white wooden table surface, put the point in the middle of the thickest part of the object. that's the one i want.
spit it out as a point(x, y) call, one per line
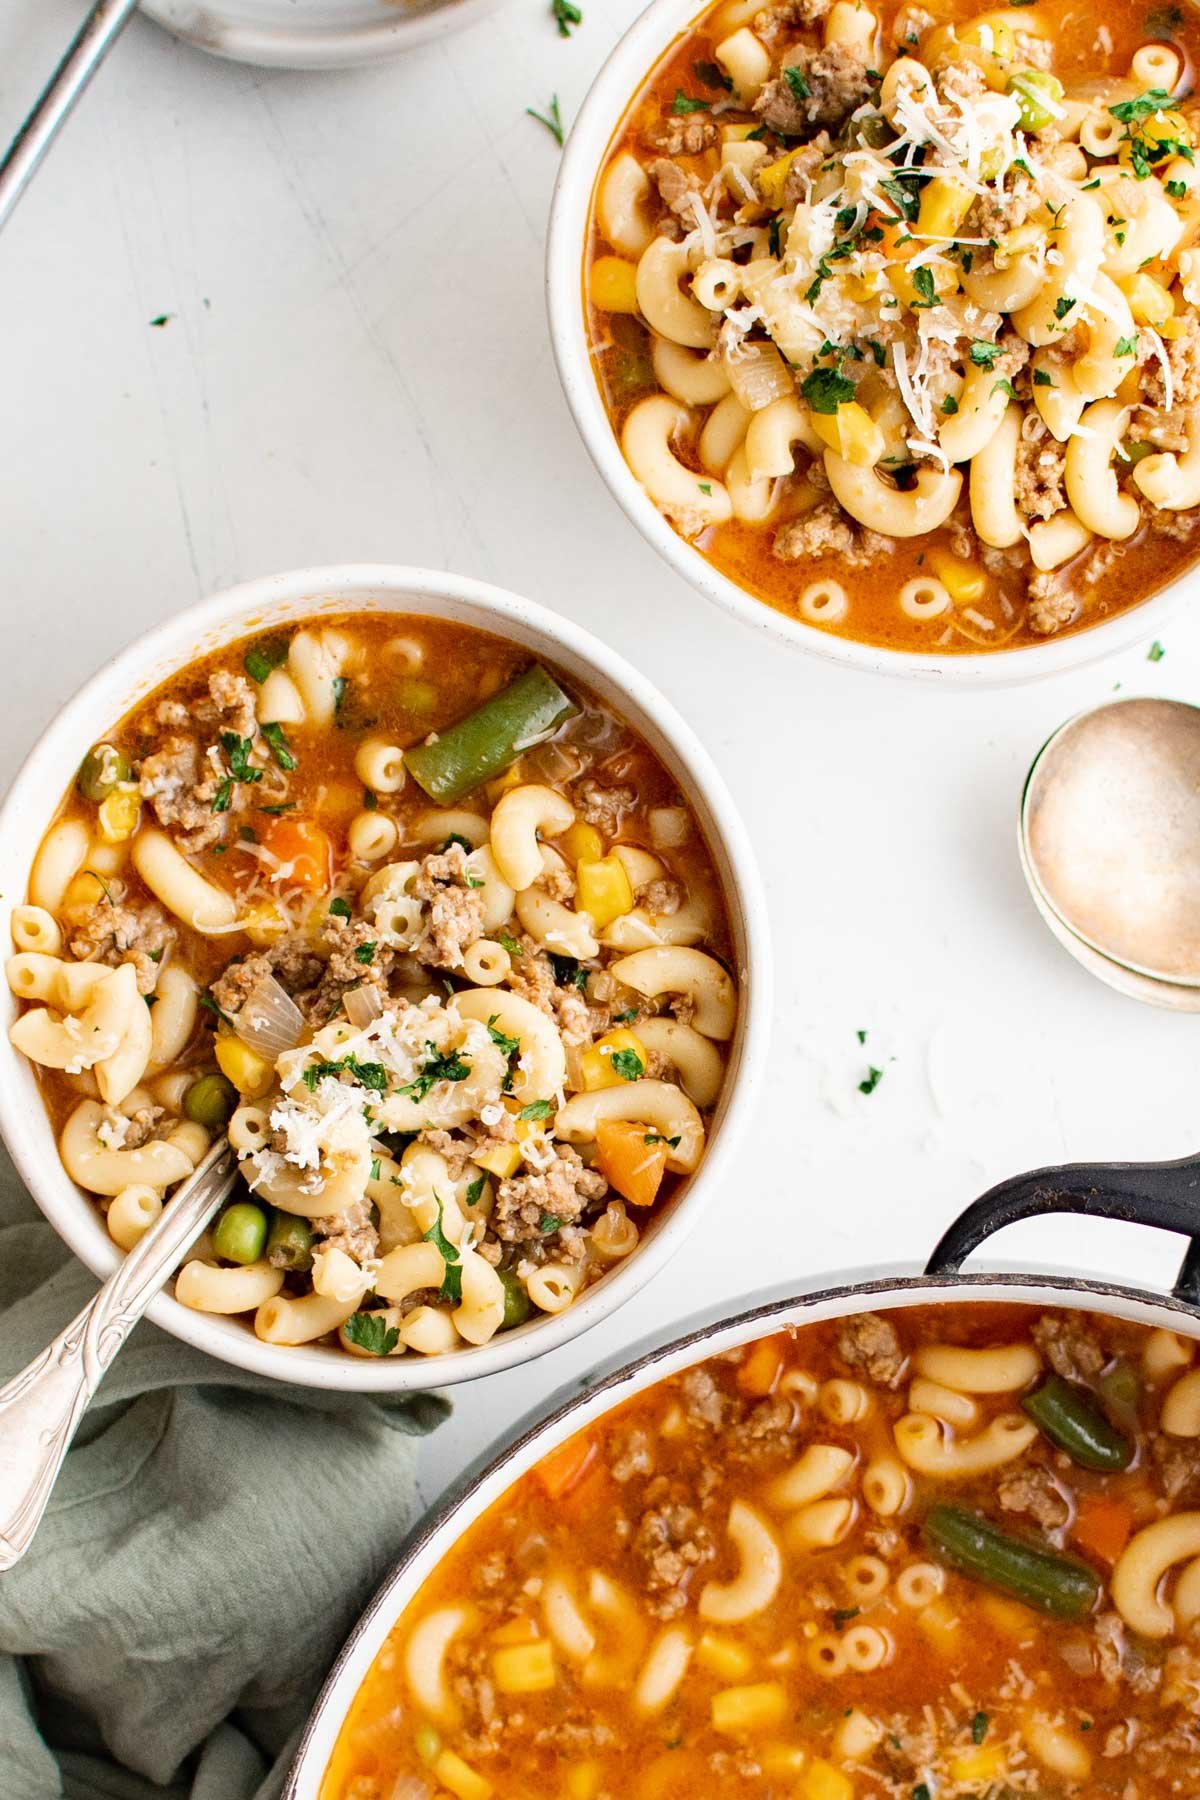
point(355, 367)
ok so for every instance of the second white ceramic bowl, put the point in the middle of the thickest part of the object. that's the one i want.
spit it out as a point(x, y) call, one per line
point(622, 76)
point(276, 600)
point(317, 34)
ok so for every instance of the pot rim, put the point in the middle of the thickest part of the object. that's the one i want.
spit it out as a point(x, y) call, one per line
point(620, 78)
point(124, 681)
point(628, 1373)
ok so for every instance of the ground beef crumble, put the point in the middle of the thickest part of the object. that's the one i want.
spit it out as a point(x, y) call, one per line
point(453, 910)
point(1034, 1493)
point(1040, 470)
point(837, 81)
point(564, 1191)
point(602, 806)
point(113, 933)
point(683, 136)
point(1070, 1346)
point(870, 1345)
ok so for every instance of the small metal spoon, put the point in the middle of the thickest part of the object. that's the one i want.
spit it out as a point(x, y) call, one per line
point(1110, 844)
point(86, 51)
point(41, 1407)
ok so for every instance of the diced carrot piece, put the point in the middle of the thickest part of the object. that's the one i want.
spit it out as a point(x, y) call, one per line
point(762, 1368)
point(565, 1467)
point(1103, 1526)
point(632, 1158)
point(304, 850)
point(585, 1500)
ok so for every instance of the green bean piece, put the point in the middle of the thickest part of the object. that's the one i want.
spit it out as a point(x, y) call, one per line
point(1120, 1388)
point(211, 1101)
point(1037, 94)
point(290, 1242)
point(1070, 1418)
point(1040, 1577)
point(241, 1233)
point(102, 769)
point(517, 1304)
point(481, 746)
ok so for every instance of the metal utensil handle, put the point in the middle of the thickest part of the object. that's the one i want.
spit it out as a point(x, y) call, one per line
point(87, 50)
point(1162, 1194)
point(41, 1407)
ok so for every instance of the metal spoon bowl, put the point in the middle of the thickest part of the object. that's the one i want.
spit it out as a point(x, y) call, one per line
point(1110, 845)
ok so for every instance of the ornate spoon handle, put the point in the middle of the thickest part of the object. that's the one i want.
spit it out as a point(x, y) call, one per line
point(41, 1407)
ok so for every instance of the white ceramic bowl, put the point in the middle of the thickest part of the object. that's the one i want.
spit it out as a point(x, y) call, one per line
point(274, 600)
point(634, 57)
point(312, 34)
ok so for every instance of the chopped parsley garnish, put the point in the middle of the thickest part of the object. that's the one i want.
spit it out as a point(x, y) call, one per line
point(281, 750)
point(844, 1614)
point(284, 806)
point(861, 1035)
point(551, 120)
point(774, 236)
point(376, 1169)
point(510, 944)
point(950, 405)
point(825, 390)
point(264, 656)
point(451, 1288)
point(509, 1045)
point(1176, 189)
point(550, 1222)
point(878, 352)
point(370, 801)
point(1156, 652)
point(1043, 378)
point(537, 1109)
point(567, 972)
point(566, 14)
point(161, 320)
point(1133, 112)
point(800, 89)
point(339, 908)
point(1004, 387)
point(210, 1005)
point(903, 193)
point(437, 1067)
point(1127, 346)
point(923, 282)
point(871, 1081)
point(223, 796)
point(365, 953)
point(921, 1793)
point(1062, 306)
point(372, 1333)
point(456, 837)
point(238, 750)
point(979, 1726)
point(712, 76)
point(340, 687)
point(623, 1018)
point(627, 1064)
point(656, 1137)
point(367, 1075)
point(475, 1189)
point(684, 103)
point(705, 487)
point(984, 355)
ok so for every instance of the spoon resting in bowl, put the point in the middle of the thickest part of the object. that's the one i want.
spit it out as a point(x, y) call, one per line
point(41, 1406)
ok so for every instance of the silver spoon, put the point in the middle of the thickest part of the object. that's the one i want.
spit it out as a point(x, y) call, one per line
point(1110, 844)
point(41, 1407)
point(86, 51)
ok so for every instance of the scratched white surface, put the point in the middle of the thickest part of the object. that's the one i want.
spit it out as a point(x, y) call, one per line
point(356, 368)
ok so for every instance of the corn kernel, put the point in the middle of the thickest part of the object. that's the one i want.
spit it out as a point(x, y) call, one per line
point(782, 1759)
point(118, 815)
point(502, 1161)
point(461, 1779)
point(965, 581)
point(754, 1708)
point(264, 923)
point(938, 1622)
point(603, 890)
point(821, 1781)
point(251, 1074)
point(583, 1781)
point(1172, 328)
point(525, 1668)
point(427, 1741)
point(612, 284)
point(1149, 301)
point(581, 843)
point(724, 1658)
point(852, 432)
point(597, 1062)
point(944, 206)
point(511, 778)
point(982, 1765)
point(521, 1630)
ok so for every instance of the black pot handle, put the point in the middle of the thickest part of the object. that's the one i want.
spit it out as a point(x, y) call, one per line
point(1163, 1194)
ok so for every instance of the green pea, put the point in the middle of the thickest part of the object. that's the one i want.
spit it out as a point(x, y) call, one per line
point(517, 1304)
point(290, 1242)
point(102, 769)
point(1038, 94)
point(241, 1233)
point(211, 1101)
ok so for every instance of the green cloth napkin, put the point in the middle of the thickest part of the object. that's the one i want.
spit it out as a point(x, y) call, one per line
point(209, 1543)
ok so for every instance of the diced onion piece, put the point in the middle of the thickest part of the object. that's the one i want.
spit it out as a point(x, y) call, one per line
point(361, 1006)
point(270, 1020)
point(758, 375)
